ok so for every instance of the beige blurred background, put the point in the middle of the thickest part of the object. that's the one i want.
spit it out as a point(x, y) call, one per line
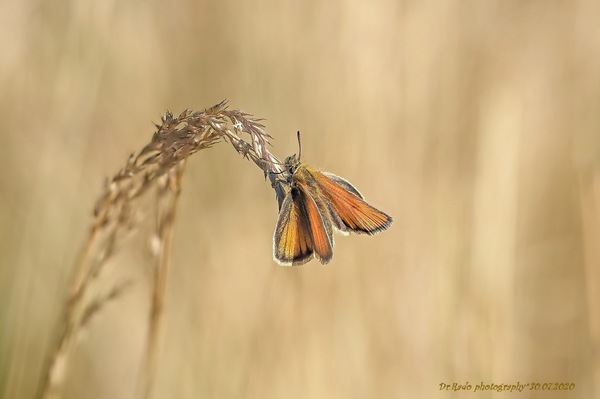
point(475, 124)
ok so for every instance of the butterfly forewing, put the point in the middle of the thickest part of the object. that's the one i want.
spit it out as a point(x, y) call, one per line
point(305, 178)
point(355, 213)
point(302, 230)
point(292, 242)
point(344, 183)
point(318, 223)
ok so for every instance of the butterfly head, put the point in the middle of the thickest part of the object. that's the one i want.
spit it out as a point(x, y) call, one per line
point(291, 164)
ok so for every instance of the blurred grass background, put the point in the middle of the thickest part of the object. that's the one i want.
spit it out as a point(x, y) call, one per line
point(476, 125)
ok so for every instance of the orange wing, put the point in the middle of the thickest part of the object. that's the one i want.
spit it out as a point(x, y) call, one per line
point(348, 203)
point(319, 224)
point(300, 233)
point(292, 243)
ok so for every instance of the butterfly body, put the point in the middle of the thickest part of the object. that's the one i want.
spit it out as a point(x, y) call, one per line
point(317, 203)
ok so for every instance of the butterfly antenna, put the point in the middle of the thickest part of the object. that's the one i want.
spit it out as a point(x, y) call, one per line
point(299, 146)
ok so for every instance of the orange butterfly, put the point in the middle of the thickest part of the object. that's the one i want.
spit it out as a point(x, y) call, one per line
point(315, 204)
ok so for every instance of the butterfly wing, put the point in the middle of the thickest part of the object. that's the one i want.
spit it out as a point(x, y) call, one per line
point(301, 232)
point(319, 225)
point(344, 183)
point(292, 243)
point(355, 213)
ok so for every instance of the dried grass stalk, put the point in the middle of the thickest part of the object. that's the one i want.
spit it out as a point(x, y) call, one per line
point(167, 196)
point(160, 166)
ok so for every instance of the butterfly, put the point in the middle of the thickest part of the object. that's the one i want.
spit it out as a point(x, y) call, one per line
point(311, 206)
